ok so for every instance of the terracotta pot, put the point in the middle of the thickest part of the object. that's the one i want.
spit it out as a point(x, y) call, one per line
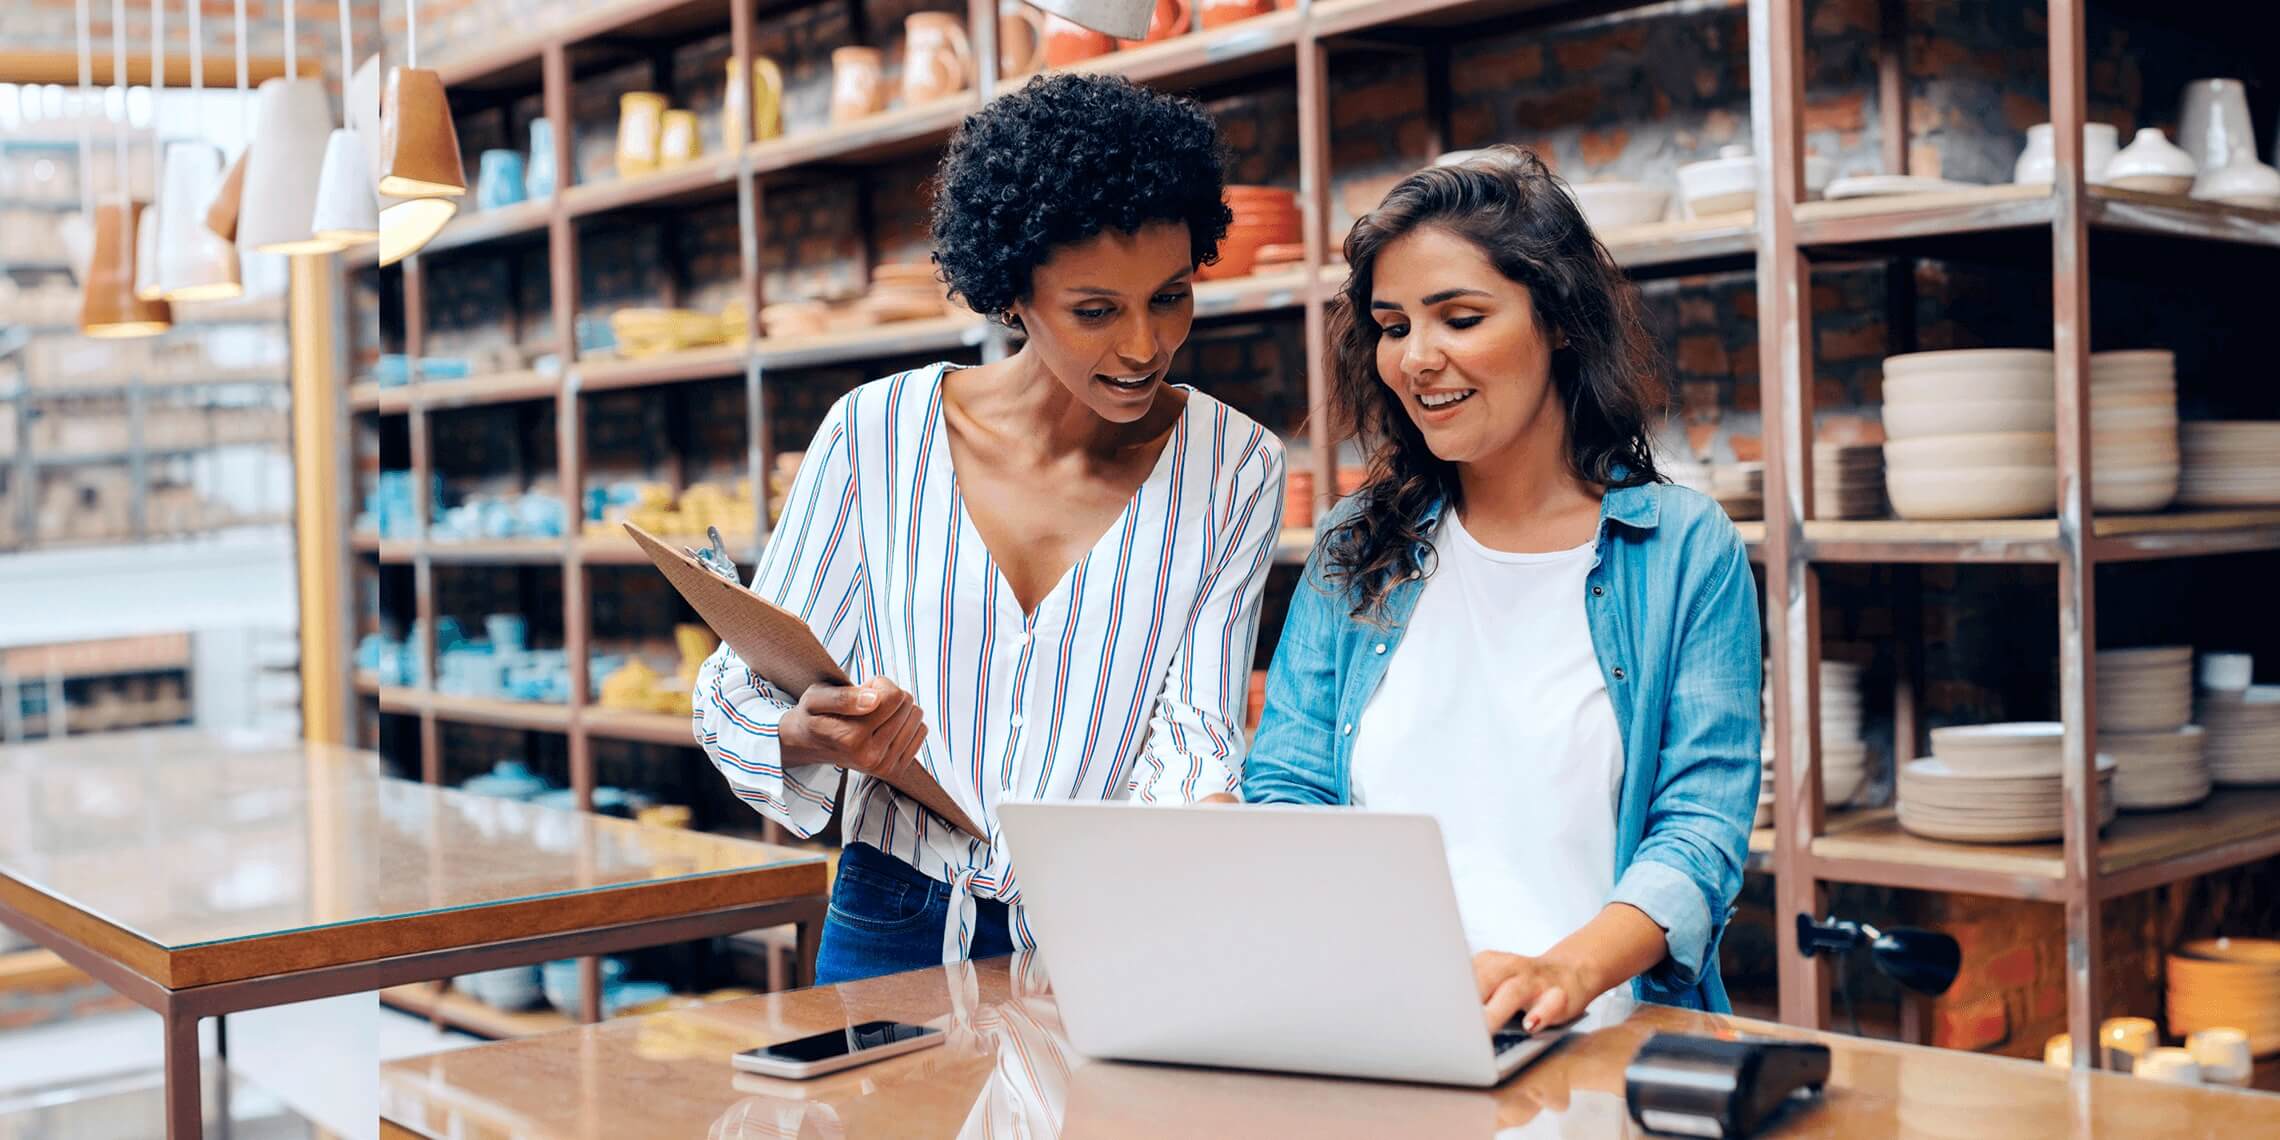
point(1068, 42)
point(1021, 39)
point(1218, 13)
point(858, 83)
point(1169, 19)
point(938, 60)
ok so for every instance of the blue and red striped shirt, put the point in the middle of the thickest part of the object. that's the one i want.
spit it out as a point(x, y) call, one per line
point(1128, 681)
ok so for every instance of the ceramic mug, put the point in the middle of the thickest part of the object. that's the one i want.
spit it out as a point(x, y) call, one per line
point(677, 138)
point(2213, 121)
point(2222, 1054)
point(1217, 13)
point(1021, 39)
point(1169, 19)
point(1068, 42)
point(538, 173)
point(641, 120)
point(938, 60)
point(2127, 1037)
point(858, 83)
point(499, 179)
point(758, 116)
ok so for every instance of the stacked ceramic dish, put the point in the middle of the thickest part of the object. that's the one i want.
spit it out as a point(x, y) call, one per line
point(1740, 488)
point(1969, 434)
point(2232, 982)
point(2243, 741)
point(2233, 463)
point(1264, 216)
point(905, 291)
point(1619, 205)
point(1848, 480)
point(1994, 783)
point(2133, 430)
point(1844, 755)
point(2145, 699)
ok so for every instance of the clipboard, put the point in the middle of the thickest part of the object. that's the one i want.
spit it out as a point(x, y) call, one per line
point(774, 643)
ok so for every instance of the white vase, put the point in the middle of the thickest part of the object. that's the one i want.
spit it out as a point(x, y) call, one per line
point(2214, 120)
point(2037, 164)
point(2153, 164)
point(2241, 181)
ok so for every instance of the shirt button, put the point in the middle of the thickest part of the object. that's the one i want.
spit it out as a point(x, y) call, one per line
point(1015, 721)
point(1348, 730)
point(1618, 672)
point(1599, 591)
point(1381, 647)
point(1021, 639)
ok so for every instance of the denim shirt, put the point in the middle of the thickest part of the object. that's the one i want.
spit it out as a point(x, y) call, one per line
point(1672, 609)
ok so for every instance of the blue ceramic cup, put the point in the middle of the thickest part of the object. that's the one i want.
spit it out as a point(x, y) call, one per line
point(499, 181)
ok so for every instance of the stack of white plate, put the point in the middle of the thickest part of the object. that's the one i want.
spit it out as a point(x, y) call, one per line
point(2243, 741)
point(1993, 783)
point(1848, 480)
point(1969, 434)
point(1740, 488)
point(2145, 690)
point(2133, 430)
point(2233, 463)
point(2154, 771)
point(2231, 982)
point(1844, 756)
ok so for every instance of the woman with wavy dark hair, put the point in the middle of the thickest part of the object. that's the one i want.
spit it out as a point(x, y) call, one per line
point(1515, 625)
point(1044, 571)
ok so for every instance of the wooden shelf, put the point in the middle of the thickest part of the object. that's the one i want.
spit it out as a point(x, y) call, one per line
point(461, 1012)
point(501, 713)
point(490, 388)
point(471, 227)
point(889, 134)
point(489, 551)
point(619, 549)
point(709, 177)
point(402, 699)
point(2173, 534)
point(396, 551)
point(1260, 292)
point(1234, 51)
point(1692, 245)
point(101, 658)
point(367, 682)
point(708, 363)
point(2140, 850)
point(646, 727)
point(896, 338)
point(1906, 218)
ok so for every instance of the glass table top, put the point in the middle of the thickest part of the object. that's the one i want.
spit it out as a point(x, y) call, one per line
point(186, 839)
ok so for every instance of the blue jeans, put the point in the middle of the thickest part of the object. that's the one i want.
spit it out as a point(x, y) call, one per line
point(887, 917)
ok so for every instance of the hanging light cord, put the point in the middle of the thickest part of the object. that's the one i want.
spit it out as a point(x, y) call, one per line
point(119, 79)
point(157, 89)
point(245, 107)
point(292, 50)
point(86, 132)
point(411, 33)
point(197, 55)
point(347, 51)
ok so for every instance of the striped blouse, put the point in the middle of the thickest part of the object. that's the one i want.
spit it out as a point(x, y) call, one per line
point(1128, 681)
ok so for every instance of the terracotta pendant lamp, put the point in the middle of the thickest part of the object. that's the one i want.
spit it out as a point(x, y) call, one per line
point(194, 264)
point(421, 194)
point(292, 122)
point(146, 225)
point(222, 214)
point(406, 224)
point(109, 308)
point(348, 212)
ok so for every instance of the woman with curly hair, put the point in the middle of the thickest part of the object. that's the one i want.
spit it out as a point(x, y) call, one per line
point(1515, 626)
point(1044, 571)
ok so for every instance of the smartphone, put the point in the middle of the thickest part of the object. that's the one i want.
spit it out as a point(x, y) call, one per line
point(829, 1052)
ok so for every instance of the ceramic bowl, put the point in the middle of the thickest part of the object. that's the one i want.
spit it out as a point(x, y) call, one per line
point(1947, 452)
point(1976, 493)
point(1976, 361)
point(1614, 205)
point(1916, 420)
point(1957, 387)
point(2026, 748)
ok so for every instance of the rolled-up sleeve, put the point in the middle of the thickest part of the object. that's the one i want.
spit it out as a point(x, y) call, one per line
point(813, 567)
point(1688, 867)
point(1195, 740)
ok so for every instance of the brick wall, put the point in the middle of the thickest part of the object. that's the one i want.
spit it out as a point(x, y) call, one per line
point(48, 26)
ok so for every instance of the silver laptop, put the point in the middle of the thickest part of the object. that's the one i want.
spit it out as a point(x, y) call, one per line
point(1303, 940)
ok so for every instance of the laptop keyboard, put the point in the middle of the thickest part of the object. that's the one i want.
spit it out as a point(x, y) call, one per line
point(1505, 1039)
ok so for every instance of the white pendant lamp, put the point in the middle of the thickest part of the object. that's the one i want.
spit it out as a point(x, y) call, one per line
point(108, 308)
point(280, 197)
point(146, 226)
point(348, 212)
point(194, 263)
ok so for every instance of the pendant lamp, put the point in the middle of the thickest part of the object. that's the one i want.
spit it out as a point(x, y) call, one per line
point(194, 264)
point(109, 307)
point(222, 214)
point(348, 213)
point(419, 146)
point(406, 224)
point(146, 226)
point(280, 200)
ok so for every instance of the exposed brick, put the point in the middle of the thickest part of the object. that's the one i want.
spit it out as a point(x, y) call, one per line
point(1696, 311)
point(2012, 969)
point(1701, 355)
point(1863, 343)
point(2023, 111)
point(1977, 1025)
point(1554, 110)
point(1587, 53)
point(1602, 148)
point(1837, 113)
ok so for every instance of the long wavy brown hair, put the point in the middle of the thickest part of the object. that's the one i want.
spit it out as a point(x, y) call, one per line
point(1608, 376)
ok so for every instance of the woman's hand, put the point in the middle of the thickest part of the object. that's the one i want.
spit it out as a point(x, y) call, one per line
point(1550, 991)
point(873, 728)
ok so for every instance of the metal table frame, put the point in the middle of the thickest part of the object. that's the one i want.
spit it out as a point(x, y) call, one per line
point(181, 1009)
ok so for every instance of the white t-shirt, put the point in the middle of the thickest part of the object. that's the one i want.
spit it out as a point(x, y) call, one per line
point(1494, 719)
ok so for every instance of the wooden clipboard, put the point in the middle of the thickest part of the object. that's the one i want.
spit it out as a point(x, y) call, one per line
point(776, 644)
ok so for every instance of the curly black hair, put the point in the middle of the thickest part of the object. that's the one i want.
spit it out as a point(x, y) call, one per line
point(1060, 160)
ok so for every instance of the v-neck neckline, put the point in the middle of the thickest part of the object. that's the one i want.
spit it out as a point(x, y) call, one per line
point(1123, 520)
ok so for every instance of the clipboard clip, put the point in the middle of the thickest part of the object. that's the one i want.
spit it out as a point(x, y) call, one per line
point(715, 557)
